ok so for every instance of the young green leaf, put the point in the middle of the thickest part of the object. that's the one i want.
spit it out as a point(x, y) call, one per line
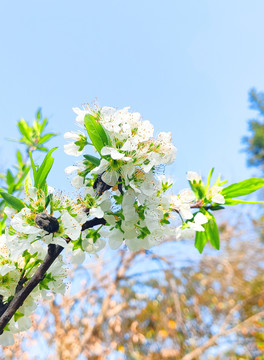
point(28, 182)
point(19, 158)
point(9, 178)
point(12, 201)
point(211, 231)
point(235, 202)
point(21, 179)
point(200, 240)
point(209, 179)
point(94, 160)
point(44, 170)
point(24, 129)
point(96, 132)
point(34, 169)
point(45, 138)
point(242, 188)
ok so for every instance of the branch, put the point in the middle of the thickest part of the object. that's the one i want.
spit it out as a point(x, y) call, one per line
point(91, 223)
point(50, 224)
point(20, 296)
point(223, 332)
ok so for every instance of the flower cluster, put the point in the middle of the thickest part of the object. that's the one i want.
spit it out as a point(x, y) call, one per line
point(121, 199)
point(25, 245)
point(122, 184)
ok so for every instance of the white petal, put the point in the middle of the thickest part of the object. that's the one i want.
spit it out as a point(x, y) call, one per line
point(200, 219)
point(78, 256)
point(4, 269)
point(77, 182)
point(24, 323)
point(115, 243)
point(116, 155)
point(110, 177)
point(101, 168)
point(71, 227)
point(71, 169)
point(7, 339)
point(97, 212)
point(218, 198)
point(192, 175)
point(106, 150)
point(72, 149)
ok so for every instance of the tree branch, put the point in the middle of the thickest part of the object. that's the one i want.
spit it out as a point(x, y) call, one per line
point(91, 223)
point(223, 332)
point(50, 224)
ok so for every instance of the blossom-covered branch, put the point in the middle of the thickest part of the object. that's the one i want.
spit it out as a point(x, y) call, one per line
point(122, 199)
point(45, 222)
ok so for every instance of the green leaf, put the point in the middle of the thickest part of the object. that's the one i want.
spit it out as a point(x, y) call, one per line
point(209, 179)
point(28, 183)
point(94, 160)
point(9, 178)
point(96, 132)
point(45, 138)
point(24, 129)
point(242, 188)
point(200, 240)
point(235, 202)
point(44, 123)
point(48, 200)
point(44, 170)
point(41, 148)
point(25, 172)
point(211, 231)
point(34, 169)
point(216, 207)
point(19, 158)
point(12, 201)
point(38, 114)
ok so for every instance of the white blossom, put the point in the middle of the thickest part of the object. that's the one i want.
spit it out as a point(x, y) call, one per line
point(193, 176)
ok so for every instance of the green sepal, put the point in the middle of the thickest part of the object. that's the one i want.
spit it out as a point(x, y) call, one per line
point(18, 315)
point(77, 244)
point(44, 283)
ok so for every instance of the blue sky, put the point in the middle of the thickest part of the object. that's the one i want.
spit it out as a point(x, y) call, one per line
point(186, 66)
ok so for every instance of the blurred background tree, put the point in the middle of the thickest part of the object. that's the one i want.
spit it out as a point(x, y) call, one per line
point(156, 305)
point(255, 141)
